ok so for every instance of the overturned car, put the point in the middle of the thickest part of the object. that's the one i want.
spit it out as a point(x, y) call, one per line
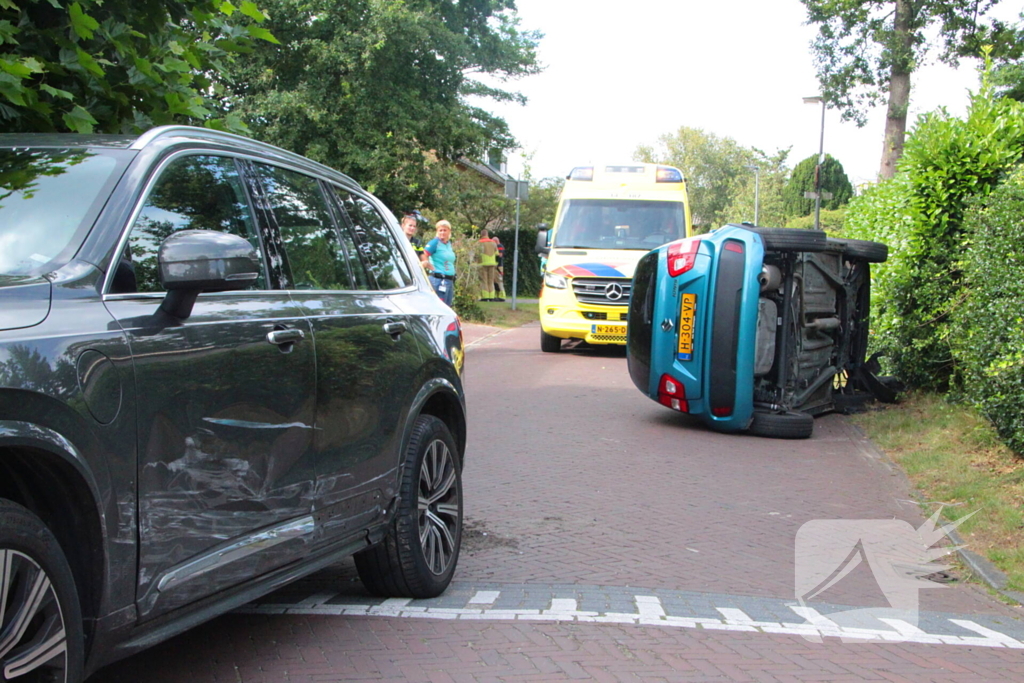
point(757, 329)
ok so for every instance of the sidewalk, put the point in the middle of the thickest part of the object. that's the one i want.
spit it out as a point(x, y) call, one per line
point(475, 332)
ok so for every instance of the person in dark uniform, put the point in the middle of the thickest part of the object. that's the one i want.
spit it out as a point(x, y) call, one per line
point(410, 224)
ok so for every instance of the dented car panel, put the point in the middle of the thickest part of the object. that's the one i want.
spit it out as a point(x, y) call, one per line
point(192, 442)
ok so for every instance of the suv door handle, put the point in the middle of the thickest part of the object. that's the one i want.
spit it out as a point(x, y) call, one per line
point(394, 328)
point(287, 336)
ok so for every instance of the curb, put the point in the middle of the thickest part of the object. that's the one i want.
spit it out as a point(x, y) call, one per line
point(979, 566)
point(984, 569)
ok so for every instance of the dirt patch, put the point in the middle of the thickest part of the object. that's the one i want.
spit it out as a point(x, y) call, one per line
point(476, 536)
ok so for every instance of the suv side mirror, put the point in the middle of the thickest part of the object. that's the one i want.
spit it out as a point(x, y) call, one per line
point(542, 240)
point(194, 261)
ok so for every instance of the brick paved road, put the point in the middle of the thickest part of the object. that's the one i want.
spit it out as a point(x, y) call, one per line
point(610, 539)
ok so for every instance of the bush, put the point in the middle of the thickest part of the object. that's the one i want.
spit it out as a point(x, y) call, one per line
point(831, 221)
point(529, 264)
point(988, 327)
point(919, 213)
point(467, 279)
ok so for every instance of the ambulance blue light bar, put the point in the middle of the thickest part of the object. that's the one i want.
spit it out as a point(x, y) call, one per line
point(668, 174)
point(582, 173)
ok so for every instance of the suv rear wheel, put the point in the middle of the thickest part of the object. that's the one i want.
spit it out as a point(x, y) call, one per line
point(417, 558)
point(40, 618)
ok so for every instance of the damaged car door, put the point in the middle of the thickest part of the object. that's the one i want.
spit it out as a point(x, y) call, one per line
point(225, 400)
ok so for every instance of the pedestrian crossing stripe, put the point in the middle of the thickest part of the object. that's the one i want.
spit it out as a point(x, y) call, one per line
point(649, 612)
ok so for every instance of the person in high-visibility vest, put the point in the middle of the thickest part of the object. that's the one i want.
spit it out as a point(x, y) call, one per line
point(488, 251)
point(499, 283)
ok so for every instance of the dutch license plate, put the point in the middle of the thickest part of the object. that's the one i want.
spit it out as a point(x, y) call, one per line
point(608, 329)
point(687, 316)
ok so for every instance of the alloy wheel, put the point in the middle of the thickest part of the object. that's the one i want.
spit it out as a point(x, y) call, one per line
point(33, 637)
point(438, 507)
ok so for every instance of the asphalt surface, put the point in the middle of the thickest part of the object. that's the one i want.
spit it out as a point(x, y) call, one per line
point(608, 538)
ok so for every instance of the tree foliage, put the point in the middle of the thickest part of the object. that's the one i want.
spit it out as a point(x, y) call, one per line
point(833, 180)
point(377, 88)
point(920, 213)
point(769, 182)
point(710, 164)
point(120, 66)
point(867, 50)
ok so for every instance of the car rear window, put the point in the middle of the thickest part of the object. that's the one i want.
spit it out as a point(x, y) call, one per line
point(48, 200)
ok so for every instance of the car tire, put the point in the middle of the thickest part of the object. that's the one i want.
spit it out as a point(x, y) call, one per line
point(549, 343)
point(417, 558)
point(41, 619)
point(788, 425)
point(792, 239)
point(872, 252)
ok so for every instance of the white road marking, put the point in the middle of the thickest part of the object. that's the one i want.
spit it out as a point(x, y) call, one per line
point(650, 612)
point(484, 598)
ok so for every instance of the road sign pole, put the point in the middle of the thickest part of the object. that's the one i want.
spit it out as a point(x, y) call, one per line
point(515, 261)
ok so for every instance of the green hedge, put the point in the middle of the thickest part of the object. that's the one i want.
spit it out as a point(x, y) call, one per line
point(919, 213)
point(988, 326)
point(529, 262)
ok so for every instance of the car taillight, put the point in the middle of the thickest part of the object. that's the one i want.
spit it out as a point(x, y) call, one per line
point(721, 411)
point(452, 327)
point(672, 394)
point(682, 255)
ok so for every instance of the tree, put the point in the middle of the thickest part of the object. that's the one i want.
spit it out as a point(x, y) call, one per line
point(867, 50)
point(120, 66)
point(710, 164)
point(770, 180)
point(833, 180)
point(377, 88)
point(542, 203)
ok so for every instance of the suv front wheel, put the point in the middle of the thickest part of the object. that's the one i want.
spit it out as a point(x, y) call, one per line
point(40, 618)
point(417, 558)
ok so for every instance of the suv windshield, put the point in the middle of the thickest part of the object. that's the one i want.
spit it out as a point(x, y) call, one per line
point(619, 224)
point(48, 199)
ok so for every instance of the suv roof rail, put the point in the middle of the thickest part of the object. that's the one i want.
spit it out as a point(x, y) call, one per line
point(195, 132)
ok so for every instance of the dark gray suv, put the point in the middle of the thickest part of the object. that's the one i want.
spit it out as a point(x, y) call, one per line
point(221, 369)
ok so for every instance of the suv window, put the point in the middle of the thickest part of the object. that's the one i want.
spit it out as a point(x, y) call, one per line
point(314, 258)
point(376, 243)
point(198, 192)
point(47, 197)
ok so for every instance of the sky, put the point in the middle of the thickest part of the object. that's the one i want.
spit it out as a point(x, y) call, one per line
point(621, 73)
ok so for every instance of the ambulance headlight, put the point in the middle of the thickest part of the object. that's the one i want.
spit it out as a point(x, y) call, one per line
point(555, 281)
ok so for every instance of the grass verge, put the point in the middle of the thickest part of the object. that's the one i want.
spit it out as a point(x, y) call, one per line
point(500, 313)
point(953, 456)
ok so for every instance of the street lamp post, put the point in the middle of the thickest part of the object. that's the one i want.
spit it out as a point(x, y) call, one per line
point(757, 192)
point(821, 159)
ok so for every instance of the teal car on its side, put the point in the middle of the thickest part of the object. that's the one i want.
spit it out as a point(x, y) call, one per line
point(755, 329)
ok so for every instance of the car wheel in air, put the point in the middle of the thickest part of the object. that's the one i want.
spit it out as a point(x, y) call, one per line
point(789, 425)
point(417, 558)
point(40, 618)
point(792, 239)
point(549, 343)
point(872, 252)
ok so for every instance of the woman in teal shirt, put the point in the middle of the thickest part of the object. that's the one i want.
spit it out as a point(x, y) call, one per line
point(440, 255)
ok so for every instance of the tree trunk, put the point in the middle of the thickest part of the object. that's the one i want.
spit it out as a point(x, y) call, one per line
point(899, 91)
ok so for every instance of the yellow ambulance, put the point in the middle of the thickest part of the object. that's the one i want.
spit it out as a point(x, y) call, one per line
point(608, 217)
